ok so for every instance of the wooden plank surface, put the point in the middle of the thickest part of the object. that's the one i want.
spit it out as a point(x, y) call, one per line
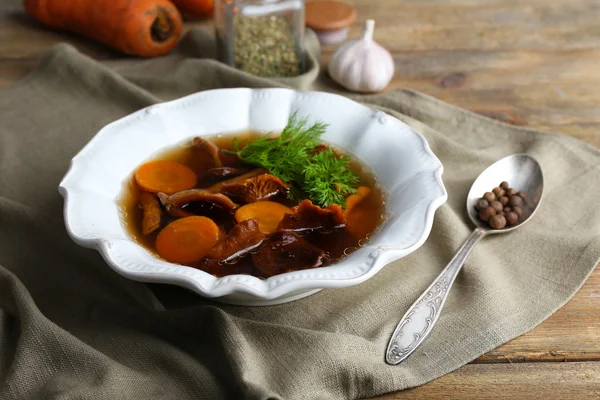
point(571, 334)
point(535, 381)
point(534, 63)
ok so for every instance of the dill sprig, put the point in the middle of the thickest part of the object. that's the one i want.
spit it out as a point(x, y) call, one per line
point(328, 179)
point(324, 177)
point(285, 155)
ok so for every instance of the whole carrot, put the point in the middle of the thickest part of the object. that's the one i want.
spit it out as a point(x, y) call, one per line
point(195, 9)
point(146, 28)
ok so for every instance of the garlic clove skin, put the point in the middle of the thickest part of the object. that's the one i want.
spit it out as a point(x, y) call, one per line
point(362, 65)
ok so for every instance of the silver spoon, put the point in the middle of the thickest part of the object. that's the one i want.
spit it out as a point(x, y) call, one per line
point(523, 173)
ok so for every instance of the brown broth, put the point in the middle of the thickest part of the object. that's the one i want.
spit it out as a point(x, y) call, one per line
point(365, 219)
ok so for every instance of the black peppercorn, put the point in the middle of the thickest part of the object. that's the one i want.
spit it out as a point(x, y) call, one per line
point(498, 221)
point(489, 196)
point(496, 205)
point(515, 201)
point(486, 214)
point(501, 207)
point(518, 210)
point(512, 218)
point(481, 204)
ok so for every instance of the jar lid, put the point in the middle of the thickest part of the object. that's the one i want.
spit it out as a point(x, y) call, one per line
point(328, 15)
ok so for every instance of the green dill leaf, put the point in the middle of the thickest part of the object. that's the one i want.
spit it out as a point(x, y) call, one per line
point(328, 178)
point(324, 177)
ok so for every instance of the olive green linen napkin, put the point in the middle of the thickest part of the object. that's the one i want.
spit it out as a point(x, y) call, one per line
point(71, 328)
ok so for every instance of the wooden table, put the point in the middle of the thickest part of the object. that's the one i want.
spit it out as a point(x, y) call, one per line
point(534, 63)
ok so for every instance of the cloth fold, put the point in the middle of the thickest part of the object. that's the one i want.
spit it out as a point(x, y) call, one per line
point(70, 327)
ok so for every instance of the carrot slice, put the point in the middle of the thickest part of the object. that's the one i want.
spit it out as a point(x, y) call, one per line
point(357, 213)
point(359, 223)
point(361, 193)
point(268, 214)
point(187, 239)
point(165, 176)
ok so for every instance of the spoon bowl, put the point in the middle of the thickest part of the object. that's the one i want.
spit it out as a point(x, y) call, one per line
point(523, 173)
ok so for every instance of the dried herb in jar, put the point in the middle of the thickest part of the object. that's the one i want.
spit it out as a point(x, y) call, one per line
point(265, 46)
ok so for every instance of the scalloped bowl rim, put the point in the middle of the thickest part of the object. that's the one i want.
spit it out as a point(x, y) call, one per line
point(275, 286)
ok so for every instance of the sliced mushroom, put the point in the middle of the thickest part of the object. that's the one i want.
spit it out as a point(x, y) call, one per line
point(152, 213)
point(242, 238)
point(192, 195)
point(217, 186)
point(261, 187)
point(210, 148)
point(174, 211)
point(286, 251)
point(224, 172)
point(307, 216)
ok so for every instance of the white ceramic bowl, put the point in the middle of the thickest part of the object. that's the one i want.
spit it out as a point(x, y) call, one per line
point(400, 158)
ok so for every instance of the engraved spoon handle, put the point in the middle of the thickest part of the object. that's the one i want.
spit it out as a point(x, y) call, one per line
point(420, 318)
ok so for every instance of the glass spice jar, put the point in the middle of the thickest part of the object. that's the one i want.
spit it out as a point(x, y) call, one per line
point(261, 37)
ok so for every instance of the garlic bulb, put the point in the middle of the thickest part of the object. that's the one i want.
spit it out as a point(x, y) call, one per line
point(361, 65)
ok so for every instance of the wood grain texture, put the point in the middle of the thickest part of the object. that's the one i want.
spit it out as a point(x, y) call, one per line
point(536, 381)
point(571, 334)
point(534, 63)
point(531, 63)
